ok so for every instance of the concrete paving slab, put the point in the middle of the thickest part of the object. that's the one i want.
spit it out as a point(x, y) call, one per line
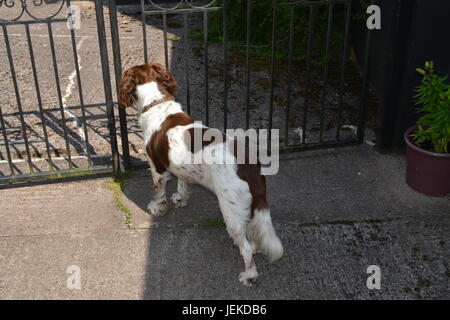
point(59, 208)
point(112, 265)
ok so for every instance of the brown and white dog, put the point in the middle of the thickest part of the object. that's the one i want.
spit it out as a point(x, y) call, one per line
point(168, 139)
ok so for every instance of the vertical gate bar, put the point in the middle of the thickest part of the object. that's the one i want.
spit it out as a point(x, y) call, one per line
point(205, 44)
point(247, 65)
point(19, 102)
point(365, 88)
point(38, 95)
point(166, 53)
point(225, 63)
point(325, 73)
point(58, 90)
point(344, 58)
point(308, 70)
point(144, 31)
point(289, 87)
point(107, 85)
point(80, 94)
point(272, 68)
point(118, 75)
point(186, 63)
point(5, 138)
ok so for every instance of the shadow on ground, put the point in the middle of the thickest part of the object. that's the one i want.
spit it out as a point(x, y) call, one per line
point(337, 212)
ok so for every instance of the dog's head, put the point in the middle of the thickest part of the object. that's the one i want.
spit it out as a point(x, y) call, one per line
point(142, 74)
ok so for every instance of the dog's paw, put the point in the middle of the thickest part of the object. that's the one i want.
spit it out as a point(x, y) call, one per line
point(178, 200)
point(248, 277)
point(157, 209)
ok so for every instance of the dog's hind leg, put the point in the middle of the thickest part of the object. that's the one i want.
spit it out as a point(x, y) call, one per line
point(181, 197)
point(158, 205)
point(236, 212)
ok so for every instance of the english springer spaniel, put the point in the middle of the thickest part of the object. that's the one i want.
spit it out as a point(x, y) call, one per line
point(170, 144)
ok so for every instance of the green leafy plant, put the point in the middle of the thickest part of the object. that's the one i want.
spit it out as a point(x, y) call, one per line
point(261, 30)
point(433, 98)
point(360, 13)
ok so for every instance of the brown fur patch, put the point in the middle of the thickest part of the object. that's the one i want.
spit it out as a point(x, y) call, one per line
point(158, 146)
point(197, 133)
point(257, 184)
point(142, 74)
point(251, 173)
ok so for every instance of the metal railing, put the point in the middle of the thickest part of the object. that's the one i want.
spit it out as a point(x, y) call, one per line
point(25, 17)
point(184, 9)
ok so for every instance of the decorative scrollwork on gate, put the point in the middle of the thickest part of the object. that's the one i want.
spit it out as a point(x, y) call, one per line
point(7, 3)
point(25, 8)
point(183, 3)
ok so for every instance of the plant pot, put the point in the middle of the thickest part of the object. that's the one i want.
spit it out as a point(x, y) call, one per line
point(426, 172)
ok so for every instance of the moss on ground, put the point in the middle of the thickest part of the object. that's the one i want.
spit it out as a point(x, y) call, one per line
point(117, 186)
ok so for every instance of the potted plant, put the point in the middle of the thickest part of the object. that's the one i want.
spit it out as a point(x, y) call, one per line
point(428, 142)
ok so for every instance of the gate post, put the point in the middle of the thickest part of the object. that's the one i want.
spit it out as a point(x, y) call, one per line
point(107, 85)
point(118, 75)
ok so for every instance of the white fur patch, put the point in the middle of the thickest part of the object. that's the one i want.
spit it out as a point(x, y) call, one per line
point(147, 93)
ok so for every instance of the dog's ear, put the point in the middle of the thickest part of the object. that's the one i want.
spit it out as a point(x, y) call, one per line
point(128, 83)
point(165, 78)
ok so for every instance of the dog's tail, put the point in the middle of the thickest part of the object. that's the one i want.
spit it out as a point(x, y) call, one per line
point(260, 231)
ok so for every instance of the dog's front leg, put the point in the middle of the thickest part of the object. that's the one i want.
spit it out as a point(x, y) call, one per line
point(158, 205)
point(180, 198)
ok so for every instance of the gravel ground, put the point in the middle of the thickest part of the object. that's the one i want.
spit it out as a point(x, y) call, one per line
point(130, 30)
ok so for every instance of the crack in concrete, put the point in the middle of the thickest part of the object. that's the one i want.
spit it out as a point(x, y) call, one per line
point(75, 122)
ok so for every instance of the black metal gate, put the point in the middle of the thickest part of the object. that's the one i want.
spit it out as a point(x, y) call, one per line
point(24, 159)
point(315, 131)
point(297, 82)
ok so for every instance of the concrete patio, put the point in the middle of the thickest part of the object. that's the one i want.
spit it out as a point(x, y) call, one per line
point(336, 211)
